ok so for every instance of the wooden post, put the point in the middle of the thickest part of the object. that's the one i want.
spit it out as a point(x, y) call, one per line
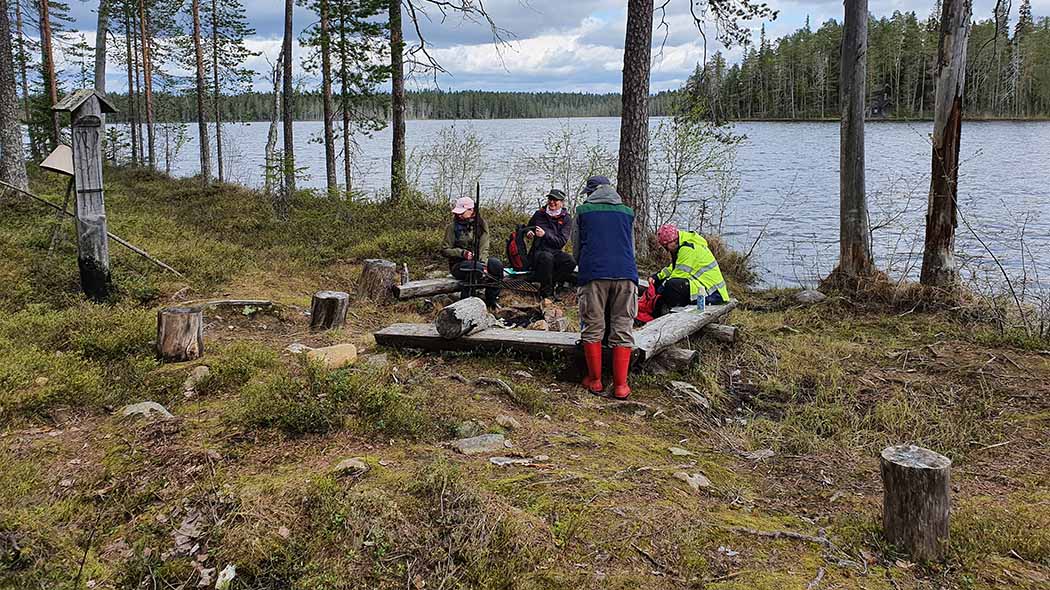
point(92, 246)
point(916, 500)
point(379, 278)
point(463, 317)
point(938, 259)
point(328, 309)
point(180, 333)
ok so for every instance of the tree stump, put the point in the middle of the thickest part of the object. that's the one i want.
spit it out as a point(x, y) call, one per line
point(328, 309)
point(721, 332)
point(462, 318)
point(672, 360)
point(180, 333)
point(378, 280)
point(916, 500)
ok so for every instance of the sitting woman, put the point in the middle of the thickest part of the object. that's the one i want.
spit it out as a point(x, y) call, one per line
point(693, 272)
point(458, 248)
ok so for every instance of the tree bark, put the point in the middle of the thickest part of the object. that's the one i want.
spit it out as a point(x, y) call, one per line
point(632, 177)
point(180, 333)
point(132, 111)
point(101, 31)
point(463, 317)
point(938, 260)
point(24, 77)
point(916, 500)
point(378, 280)
point(202, 120)
point(328, 309)
point(854, 231)
point(49, 68)
point(216, 94)
point(12, 157)
point(288, 90)
point(326, 100)
point(272, 165)
point(147, 81)
point(344, 80)
point(398, 171)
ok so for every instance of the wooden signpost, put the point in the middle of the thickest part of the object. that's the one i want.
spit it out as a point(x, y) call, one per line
point(87, 107)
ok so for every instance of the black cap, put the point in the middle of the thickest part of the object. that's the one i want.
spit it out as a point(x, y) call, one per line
point(555, 195)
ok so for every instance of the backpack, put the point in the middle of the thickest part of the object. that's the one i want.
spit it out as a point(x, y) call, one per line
point(647, 304)
point(518, 249)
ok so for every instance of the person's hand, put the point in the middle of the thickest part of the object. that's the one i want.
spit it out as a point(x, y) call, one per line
point(468, 255)
point(530, 234)
point(540, 233)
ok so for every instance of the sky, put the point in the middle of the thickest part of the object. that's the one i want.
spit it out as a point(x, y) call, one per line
point(554, 45)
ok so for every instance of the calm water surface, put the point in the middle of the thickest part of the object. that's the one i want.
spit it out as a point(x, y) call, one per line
point(788, 195)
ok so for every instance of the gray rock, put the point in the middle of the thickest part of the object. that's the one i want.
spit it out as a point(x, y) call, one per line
point(147, 410)
point(507, 461)
point(679, 452)
point(695, 480)
point(486, 443)
point(508, 422)
point(758, 455)
point(688, 390)
point(809, 297)
point(379, 361)
point(351, 466)
point(468, 428)
point(199, 372)
point(297, 348)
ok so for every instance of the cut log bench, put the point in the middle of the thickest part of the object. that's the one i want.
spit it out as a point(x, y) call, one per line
point(649, 340)
point(430, 287)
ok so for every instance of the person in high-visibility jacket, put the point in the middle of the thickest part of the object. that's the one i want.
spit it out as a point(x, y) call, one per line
point(693, 271)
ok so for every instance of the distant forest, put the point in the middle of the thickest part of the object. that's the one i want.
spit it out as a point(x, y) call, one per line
point(793, 77)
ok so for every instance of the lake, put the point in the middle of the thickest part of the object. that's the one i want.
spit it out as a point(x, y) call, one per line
point(787, 198)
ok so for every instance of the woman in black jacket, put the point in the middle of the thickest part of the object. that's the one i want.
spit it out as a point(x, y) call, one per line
point(550, 264)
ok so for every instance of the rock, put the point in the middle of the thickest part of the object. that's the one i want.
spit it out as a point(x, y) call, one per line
point(486, 443)
point(225, 577)
point(297, 348)
point(508, 422)
point(539, 325)
point(199, 372)
point(353, 466)
point(66, 483)
point(687, 390)
point(378, 361)
point(758, 455)
point(468, 428)
point(334, 357)
point(555, 318)
point(147, 410)
point(506, 461)
point(41, 381)
point(695, 481)
point(809, 297)
point(680, 452)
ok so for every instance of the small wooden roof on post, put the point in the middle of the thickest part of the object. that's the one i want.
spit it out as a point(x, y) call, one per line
point(72, 101)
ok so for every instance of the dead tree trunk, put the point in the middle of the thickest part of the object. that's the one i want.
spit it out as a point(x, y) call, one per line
point(202, 120)
point(180, 333)
point(916, 500)
point(463, 317)
point(398, 170)
point(632, 177)
point(328, 310)
point(378, 280)
point(938, 260)
point(854, 232)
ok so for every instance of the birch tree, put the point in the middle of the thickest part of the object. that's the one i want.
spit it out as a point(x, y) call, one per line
point(12, 158)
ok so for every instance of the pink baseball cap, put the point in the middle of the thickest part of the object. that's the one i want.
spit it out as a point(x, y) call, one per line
point(463, 204)
point(667, 234)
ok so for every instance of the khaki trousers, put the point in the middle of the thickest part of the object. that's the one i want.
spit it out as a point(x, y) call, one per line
point(608, 305)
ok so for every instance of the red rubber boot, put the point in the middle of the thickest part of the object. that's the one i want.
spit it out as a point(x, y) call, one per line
point(621, 358)
point(592, 352)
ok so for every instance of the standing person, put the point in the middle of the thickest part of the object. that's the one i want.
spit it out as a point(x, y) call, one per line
point(458, 249)
point(550, 265)
point(693, 271)
point(603, 243)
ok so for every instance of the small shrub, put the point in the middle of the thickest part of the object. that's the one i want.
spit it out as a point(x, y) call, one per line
point(236, 366)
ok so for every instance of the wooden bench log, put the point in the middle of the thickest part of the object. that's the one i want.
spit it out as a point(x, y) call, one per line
point(379, 278)
point(529, 342)
point(721, 332)
point(427, 287)
point(916, 500)
point(665, 331)
point(463, 317)
point(180, 333)
point(328, 309)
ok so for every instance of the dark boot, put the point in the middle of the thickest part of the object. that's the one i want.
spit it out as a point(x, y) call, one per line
point(621, 358)
point(592, 352)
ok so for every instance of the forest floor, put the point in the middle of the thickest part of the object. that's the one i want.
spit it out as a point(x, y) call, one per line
point(246, 471)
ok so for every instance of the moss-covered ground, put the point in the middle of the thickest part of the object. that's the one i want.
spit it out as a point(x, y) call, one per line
point(244, 473)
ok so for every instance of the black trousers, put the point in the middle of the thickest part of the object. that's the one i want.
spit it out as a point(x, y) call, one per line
point(675, 293)
point(550, 267)
point(493, 272)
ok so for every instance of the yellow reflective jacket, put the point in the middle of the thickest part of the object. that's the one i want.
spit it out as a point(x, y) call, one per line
point(694, 261)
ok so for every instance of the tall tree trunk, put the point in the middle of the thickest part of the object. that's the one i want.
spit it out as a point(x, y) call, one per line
point(344, 83)
point(854, 232)
point(273, 167)
point(202, 121)
point(49, 71)
point(101, 31)
point(132, 111)
point(398, 172)
point(326, 99)
point(287, 107)
point(632, 177)
point(12, 158)
point(216, 95)
point(147, 81)
point(938, 260)
point(136, 44)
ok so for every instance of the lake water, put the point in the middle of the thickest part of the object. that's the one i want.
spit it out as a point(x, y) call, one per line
point(788, 184)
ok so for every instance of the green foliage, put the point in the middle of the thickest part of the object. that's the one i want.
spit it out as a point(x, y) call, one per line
point(235, 366)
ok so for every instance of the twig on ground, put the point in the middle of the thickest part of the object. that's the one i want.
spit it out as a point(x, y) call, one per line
point(816, 580)
point(653, 561)
point(497, 383)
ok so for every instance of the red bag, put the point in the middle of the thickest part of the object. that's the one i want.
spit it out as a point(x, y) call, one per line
point(517, 248)
point(647, 304)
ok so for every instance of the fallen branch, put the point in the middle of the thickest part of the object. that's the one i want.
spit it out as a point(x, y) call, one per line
point(652, 561)
point(498, 384)
point(785, 535)
point(816, 580)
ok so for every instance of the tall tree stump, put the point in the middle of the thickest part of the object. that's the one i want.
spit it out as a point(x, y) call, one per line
point(180, 333)
point(328, 309)
point(378, 280)
point(916, 500)
point(462, 318)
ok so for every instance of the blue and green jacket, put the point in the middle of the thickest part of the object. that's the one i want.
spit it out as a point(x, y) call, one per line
point(603, 240)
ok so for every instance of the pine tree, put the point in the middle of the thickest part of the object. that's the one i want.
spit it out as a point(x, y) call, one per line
point(229, 29)
point(12, 158)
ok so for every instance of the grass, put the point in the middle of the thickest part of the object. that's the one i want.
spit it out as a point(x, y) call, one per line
point(253, 448)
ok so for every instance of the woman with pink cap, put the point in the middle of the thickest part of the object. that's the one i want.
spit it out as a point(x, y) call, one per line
point(458, 248)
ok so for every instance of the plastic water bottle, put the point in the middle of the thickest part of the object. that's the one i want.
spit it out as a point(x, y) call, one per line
point(701, 302)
